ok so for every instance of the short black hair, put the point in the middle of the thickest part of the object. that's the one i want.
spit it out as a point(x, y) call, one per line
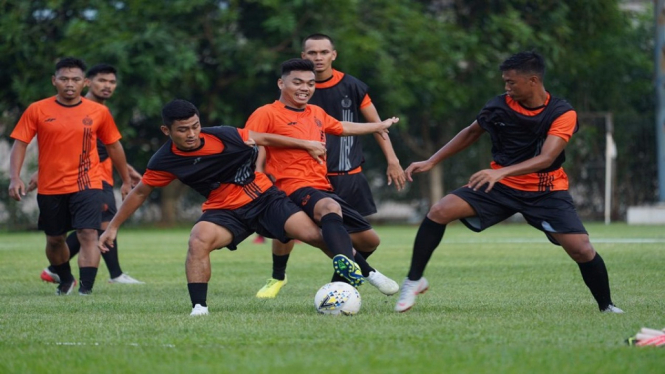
point(178, 110)
point(101, 69)
point(318, 37)
point(70, 62)
point(296, 64)
point(525, 62)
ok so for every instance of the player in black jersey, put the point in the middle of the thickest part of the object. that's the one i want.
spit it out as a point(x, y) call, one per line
point(529, 130)
point(219, 163)
point(345, 98)
point(102, 80)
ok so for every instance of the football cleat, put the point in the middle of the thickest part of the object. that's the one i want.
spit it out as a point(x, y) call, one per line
point(49, 276)
point(612, 309)
point(271, 289)
point(199, 310)
point(65, 289)
point(386, 285)
point(125, 279)
point(348, 270)
point(410, 290)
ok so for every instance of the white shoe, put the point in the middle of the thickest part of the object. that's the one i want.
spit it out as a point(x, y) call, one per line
point(410, 289)
point(612, 309)
point(125, 279)
point(386, 285)
point(199, 310)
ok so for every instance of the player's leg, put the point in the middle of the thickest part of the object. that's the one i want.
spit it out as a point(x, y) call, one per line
point(592, 267)
point(280, 258)
point(430, 233)
point(328, 213)
point(204, 238)
point(554, 213)
point(55, 221)
point(356, 192)
point(49, 274)
point(86, 219)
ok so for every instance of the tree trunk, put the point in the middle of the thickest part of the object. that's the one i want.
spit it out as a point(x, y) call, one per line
point(436, 183)
point(169, 204)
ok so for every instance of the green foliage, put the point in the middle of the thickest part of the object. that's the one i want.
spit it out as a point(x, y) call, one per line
point(502, 301)
point(432, 63)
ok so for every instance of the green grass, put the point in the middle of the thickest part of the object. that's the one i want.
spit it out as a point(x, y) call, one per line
point(502, 301)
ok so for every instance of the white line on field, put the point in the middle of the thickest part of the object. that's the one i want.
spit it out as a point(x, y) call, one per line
point(103, 344)
point(544, 240)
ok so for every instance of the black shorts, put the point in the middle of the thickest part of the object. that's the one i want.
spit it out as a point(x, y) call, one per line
point(307, 197)
point(108, 203)
point(266, 216)
point(59, 214)
point(354, 189)
point(550, 212)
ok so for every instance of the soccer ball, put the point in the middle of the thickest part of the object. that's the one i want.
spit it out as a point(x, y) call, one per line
point(337, 298)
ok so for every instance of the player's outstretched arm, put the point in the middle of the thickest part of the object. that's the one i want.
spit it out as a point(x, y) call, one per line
point(16, 158)
point(117, 155)
point(134, 200)
point(316, 149)
point(461, 141)
point(552, 148)
point(394, 172)
point(381, 128)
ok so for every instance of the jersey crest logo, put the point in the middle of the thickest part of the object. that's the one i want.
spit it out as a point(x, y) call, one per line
point(346, 102)
point(318, 122)
point(292, 123)
point(196, 160)
point(49, 120)
point(87, 121)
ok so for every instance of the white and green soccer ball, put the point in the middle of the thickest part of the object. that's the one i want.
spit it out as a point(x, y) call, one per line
point(337, 298)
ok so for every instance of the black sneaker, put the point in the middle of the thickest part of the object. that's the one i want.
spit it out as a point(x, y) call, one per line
point(65, 288)
point(84, 292)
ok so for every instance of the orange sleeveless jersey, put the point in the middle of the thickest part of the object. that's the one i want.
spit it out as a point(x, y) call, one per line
point(67, 140)
point(227, 195)
point(562, 127)
point(295, 168)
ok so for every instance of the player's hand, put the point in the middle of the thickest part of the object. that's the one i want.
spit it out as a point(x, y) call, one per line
point(106, 240)
point(485, 177)
point(384, 125)
point(134, 175)
point(125, 189)
point(395, 173)
point(32, 184)
point(417, 167)
point(250, 142)
point(317, 150)
point(16, 189)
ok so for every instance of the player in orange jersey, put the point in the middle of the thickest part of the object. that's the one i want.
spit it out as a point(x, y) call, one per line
point(529, 130)
point(345, 98)
point(102, 80)
point(306, 182)
point(67, 127)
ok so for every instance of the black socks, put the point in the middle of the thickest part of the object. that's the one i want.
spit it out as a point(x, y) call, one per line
point(279, 266)
point(198, 293)
point(335, 236)
point(595, 277)
point(428, 238)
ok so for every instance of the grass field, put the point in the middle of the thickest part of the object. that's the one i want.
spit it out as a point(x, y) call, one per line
point(502, 301)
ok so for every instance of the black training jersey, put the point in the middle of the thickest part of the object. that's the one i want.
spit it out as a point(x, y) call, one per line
point(222, 158)
point(517, 137)
point(341, 97)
